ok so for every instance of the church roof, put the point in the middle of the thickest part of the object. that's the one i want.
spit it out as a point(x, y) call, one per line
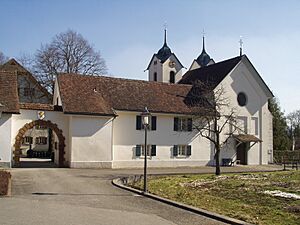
point(212, 74)
point(203, 59)
point(164, 53)
point(81, 94)
point(9, 92)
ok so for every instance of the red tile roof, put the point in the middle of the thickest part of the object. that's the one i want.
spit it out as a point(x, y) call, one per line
point(37, 106)
point(102, 95)
point(9, 92)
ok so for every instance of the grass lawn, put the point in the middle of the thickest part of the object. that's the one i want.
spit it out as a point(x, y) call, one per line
point(239, 196)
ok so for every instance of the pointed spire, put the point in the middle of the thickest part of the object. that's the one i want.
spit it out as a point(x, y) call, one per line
point(203, 41)
point(165, 29)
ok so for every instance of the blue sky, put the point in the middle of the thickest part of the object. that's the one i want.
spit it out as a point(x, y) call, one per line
point(128, 33)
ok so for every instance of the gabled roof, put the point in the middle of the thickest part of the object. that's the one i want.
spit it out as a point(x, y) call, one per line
point(81, 94)
point(162, 61)
point(13, 66)
point(9, 92)
point(212, 74)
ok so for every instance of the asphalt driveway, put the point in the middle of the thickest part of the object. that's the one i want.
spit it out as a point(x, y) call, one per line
point(86, 197)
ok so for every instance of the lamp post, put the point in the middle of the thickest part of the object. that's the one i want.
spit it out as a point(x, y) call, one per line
point(145, 120)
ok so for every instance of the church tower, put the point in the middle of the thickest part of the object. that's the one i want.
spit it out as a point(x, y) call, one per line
point(203, 59)
point(164, 66)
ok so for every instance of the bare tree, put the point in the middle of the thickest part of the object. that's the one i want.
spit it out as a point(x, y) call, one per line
point(68, 52)
point(293, 119)
point(3, 58)
point(214, 119)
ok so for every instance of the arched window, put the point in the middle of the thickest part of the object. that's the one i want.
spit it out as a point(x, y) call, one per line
point(155, 76)
point(172, 77)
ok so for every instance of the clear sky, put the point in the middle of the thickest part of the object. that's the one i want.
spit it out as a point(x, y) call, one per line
point(127, 33)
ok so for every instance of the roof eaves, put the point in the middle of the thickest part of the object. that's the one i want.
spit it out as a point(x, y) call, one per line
point(259, 76)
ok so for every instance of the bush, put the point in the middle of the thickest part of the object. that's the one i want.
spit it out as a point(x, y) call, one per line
point(5, 179)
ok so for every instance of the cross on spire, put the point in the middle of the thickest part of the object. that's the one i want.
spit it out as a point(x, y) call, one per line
point(241, 45)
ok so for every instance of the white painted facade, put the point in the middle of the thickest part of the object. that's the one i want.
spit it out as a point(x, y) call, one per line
point(164, 69)
point(110, 142)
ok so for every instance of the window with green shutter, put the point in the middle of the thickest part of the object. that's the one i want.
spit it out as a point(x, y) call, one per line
point(183, 124)
point(175, 150)
point(138, 122)
point(153, 150)
point(138, 150)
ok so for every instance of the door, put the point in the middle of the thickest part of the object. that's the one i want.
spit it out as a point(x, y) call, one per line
point(241, 153)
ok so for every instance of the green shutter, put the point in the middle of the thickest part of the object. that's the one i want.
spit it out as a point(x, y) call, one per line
point(138, 150)
point(190, 124)
point(138, 122)
point(153, 150)
point(153, 122)
point(189, 150)
point(176, 123)
point(175, 150)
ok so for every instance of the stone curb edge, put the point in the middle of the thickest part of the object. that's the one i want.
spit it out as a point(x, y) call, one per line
point(119, 183)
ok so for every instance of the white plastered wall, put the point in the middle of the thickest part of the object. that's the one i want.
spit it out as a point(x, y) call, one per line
point(242, 79)
point(91, 141)
point(163, 70)
point(27, 116)
point(126, 137)
point(5, 140)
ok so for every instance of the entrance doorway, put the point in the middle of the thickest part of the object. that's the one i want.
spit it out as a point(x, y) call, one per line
point(242, 153)
point(42, 156)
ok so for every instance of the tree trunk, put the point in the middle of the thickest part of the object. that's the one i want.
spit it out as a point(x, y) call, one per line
point(217, 158)
point(217, 146)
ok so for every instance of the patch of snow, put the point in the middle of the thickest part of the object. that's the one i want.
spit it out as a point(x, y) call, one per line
point(282, 194)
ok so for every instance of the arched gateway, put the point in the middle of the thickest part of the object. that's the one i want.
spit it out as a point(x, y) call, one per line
point(48, 124)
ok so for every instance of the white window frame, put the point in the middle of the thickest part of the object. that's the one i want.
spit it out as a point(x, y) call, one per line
point(182, 151)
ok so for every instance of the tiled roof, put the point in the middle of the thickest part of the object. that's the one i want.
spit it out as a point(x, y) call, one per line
point(13, 66)
point(37, 106)
point(103, 95)
point(212, 74)
point(9, 92)
point(247, 138)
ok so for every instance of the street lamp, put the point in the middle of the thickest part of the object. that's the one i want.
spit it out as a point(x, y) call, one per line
point(145, 120)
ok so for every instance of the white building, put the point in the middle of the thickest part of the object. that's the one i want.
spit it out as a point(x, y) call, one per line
point(97, 123)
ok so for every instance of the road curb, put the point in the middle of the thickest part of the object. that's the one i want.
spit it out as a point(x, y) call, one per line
point(120, 182)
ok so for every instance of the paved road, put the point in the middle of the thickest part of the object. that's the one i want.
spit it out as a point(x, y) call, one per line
point(86, 197)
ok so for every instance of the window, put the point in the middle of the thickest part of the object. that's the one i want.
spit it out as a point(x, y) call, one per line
point(182, 150)
point(140, 150)
point(242, 99)
point(139, 124)
point(254, 125)
point(172, 77)
point(41, 140)
point(155, 76)
point(155, 62)
point(27, 140)
point(29, 92)
point(40, 127)
point(183, 124)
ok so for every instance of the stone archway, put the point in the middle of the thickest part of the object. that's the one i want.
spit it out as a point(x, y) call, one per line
point(48, 124)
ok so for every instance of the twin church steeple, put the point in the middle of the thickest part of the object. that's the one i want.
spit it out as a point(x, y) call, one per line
point(165, 67)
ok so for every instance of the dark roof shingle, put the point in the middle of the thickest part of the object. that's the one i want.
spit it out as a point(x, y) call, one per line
point(212, 74)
